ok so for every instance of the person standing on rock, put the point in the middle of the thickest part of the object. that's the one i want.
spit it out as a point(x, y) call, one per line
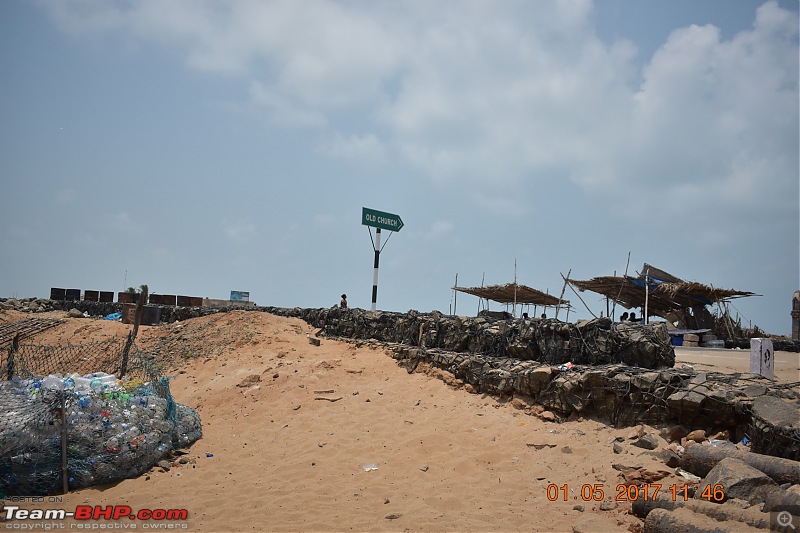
point(343, 303)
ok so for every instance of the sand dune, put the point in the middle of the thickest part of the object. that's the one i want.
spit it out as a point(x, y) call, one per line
point(292, 432)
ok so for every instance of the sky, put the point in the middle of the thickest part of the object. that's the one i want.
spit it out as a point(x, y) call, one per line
point(202, 147)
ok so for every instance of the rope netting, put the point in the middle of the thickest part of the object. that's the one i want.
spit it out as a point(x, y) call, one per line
point(69, 418)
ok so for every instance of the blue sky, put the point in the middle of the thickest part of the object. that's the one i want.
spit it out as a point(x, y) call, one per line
point(203, 147)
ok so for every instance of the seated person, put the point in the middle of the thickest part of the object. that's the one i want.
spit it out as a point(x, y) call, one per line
point(623, 317)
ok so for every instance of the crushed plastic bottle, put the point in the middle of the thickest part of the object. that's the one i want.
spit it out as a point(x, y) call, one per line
point(53, 382)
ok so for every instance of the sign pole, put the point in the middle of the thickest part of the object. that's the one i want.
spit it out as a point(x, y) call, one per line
point(379, 219)
point(375, 268)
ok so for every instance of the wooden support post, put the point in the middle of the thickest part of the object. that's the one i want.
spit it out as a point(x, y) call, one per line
point(64, 468)
point(563, 288)
point(579, 297)
point(137, 319)
point(729, 320)
point(646, 295)
point(455, 296)
point(12, 353)
point(480, 300)
point(614, 306)
point(514, 314)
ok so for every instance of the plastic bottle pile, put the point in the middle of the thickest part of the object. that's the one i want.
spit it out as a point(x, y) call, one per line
point(115, 430)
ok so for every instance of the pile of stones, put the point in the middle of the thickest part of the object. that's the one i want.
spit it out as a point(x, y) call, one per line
point(28, 305)
point(728, 487)
point(100, 309)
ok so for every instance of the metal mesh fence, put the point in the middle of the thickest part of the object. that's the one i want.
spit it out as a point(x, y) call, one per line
point(70, 419)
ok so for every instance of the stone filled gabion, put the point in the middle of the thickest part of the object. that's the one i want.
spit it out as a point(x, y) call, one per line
point(593, 342)
point(620, 372)
point(744, 405)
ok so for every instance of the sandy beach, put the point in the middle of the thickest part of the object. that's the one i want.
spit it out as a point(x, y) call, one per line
point(338, 437)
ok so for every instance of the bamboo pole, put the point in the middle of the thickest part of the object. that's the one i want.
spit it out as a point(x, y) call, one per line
point(480, 300)
point(547, 292)
point(728, 316)
point(514, 314)
point(563, 288)
point(646, 294)
point(614, 303)
point(12, 352)
point(455, 297)
point(613, 307)
point(132, 335)
point(64, 468)
point(579, 297)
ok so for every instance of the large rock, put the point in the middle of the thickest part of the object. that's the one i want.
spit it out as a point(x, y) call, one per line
point(648, 442)
point(685, 401)
point(687, 521)
point(732, 478)
point(776, 412)
point(774, 427)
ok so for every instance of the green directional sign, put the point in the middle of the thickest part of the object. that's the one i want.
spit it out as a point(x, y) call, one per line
point(379, 219)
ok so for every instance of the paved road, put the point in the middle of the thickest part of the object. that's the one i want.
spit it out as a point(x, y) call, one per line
point(787, 364)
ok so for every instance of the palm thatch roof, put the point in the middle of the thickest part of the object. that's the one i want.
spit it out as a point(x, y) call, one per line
point(514, 293)
point(666, 292)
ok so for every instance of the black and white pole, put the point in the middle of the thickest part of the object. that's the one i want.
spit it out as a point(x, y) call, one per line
point(375, 270)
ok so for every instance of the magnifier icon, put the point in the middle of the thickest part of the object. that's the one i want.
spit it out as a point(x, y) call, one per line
point(785, 519)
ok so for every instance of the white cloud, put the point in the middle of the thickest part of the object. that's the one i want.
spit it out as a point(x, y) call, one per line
point(162, 253)
point(20, 233)
point(283, 110)
point(485, 93)
point(66, 196)
point(439, 229)
point(355, 147)
point(323, 220)
point(123, 222)
point(88, 240)
point(719, 115)
point(240, 230)
point(85, 16)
